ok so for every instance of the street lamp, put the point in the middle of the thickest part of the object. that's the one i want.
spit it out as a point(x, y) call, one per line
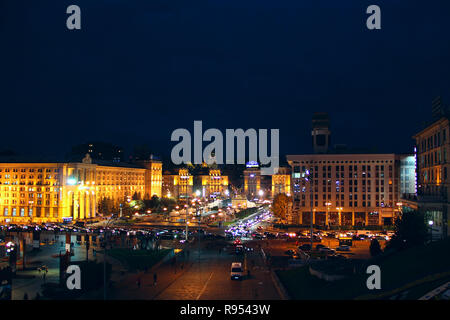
point(328, 204)
point(104, 257)
point(339, 209)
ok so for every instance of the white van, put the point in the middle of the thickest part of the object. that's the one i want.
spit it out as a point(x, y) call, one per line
point(236, 271)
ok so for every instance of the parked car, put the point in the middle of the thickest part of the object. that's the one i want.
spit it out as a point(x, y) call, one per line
point(290, 252)
point(336, 257)
point(327, 250)
point(319, 246)
point(305, 247)
point(343, 248)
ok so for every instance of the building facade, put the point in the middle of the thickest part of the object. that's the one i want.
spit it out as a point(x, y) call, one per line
point(211, 185)
point(346, 189)
point(433, 184)
point(281, 182)
point(179, 184)
point(252, 182)
point(54, 192)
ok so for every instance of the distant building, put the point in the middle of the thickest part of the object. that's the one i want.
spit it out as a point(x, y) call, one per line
point(211, 183)
point(252, 180)
point(178, 184)
point(348, 189)
point(281, 182)
point(52, 192)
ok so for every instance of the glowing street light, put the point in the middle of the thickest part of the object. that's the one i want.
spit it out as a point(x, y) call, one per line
point(339, 209)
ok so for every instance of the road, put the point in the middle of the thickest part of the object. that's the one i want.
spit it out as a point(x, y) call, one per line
point(204, 274)
point(209, 279)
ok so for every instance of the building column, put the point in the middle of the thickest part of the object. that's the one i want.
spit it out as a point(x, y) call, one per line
point(353, 218)
point(380, 219)
point(300, 217)
point(339, 218)
point(314, 217)
point(366, 218)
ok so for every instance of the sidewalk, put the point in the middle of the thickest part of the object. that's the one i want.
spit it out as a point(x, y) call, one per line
point(167, 273)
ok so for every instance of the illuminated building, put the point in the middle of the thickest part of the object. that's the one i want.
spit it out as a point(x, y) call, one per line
point(252, 181)
point(281, 182)
point(348, 189)
point(179, 185)
point(53, 192)
point(211, 183)
point(433, 183)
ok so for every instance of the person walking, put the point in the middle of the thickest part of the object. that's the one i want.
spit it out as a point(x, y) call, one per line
point(25, 296)
point(155, 276)
point(138, 282)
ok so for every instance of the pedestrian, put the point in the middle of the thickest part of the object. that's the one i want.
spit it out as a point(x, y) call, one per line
point(38, 296)
point(138, 282)
point(25, 296)
point(43, 276)
point(154, 278)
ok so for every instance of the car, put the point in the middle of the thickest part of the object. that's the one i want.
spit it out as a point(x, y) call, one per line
point(258, 236)
point(289, 252)
point(320, 246)
point(336, 257)
point(327, 250)
point(305, 247)
point(239, 249)
point(343, 248)
point(236, 271)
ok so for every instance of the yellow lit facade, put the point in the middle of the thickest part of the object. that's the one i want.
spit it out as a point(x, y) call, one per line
point(252, 182)
point(281, 182)
point(52, 192)
point(178, 185)
point(214, 183)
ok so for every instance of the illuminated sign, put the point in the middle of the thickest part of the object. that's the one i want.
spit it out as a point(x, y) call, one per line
point(252, 164)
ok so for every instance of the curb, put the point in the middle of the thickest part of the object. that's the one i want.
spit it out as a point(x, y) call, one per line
point(276, 281)
point(279, 286)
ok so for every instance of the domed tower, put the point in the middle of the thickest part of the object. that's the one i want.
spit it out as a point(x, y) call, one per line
point(320, 132)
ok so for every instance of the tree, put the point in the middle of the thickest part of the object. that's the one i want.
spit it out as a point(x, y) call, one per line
point(106, 206)
point(280, 206)
point(136, 196)
point(410, 230)
point(375, 248)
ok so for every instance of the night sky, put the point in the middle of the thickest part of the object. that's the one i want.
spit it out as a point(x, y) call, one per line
point(138, 69)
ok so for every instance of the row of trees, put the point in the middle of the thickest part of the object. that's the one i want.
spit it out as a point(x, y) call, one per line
point(107, 206)
point(410, 230)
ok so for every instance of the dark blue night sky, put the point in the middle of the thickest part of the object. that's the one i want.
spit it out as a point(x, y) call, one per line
point(139, 69)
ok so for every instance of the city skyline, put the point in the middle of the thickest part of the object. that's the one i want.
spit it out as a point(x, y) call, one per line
point(158, 69)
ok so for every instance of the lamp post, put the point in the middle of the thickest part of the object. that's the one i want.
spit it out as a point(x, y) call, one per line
point(312, 209)
point(328, 204)
point(104, 257)
point(339, 209)
point(186, 219)
point(430, 223)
